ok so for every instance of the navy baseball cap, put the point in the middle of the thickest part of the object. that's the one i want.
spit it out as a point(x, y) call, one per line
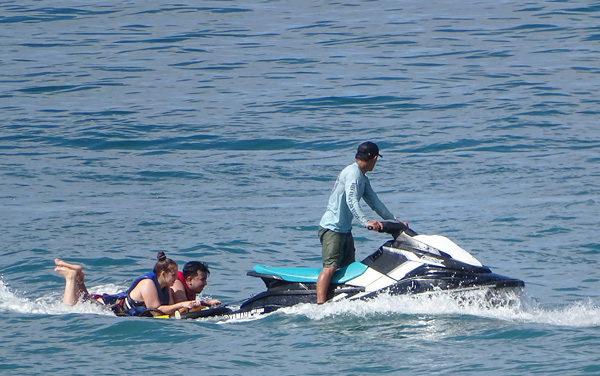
point(367, 150)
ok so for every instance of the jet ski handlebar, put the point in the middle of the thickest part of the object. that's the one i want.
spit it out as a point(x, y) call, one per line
point(395, 228)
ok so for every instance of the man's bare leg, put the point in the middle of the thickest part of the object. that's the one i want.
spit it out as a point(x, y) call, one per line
point(74, 285)
point(323, 283)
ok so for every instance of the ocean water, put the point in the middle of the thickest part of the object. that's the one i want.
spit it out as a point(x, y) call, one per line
point(214, 131)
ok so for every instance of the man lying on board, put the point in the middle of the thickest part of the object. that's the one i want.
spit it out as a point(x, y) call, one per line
point(191, 281)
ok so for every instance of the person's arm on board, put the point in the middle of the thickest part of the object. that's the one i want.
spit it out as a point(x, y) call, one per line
point(149, 295)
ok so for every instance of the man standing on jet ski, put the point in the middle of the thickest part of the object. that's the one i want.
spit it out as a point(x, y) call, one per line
point(336, 224)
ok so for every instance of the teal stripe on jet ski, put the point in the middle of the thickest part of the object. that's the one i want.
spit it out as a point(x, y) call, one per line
point(342, 275)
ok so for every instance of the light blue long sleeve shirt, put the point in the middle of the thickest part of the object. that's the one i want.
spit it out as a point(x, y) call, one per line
point(350, 187)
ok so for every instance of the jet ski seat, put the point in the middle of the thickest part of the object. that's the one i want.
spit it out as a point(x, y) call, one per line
point(310, 275)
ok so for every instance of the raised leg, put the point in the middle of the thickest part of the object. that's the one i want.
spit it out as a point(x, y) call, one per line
point(74, 285)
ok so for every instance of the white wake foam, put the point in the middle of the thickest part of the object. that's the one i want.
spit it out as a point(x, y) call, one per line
point(47, 305)
point(514, 307)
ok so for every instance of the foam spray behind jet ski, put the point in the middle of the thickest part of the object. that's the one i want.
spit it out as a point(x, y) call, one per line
point(408, 264)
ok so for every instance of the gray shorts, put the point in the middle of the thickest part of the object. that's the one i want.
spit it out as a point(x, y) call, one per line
point(338, 248)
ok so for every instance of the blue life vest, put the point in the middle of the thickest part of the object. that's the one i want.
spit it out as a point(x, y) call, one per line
point(123, 305)
point(135, 308)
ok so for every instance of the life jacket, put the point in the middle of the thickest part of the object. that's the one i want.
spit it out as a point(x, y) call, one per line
point(123, 305)
point(188, 293)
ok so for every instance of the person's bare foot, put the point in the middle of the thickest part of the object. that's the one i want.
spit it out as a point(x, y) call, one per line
point(66, 272)
point(71, 272)
point(61, 263)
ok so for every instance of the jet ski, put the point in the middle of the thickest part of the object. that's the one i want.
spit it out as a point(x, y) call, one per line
point(408, 264)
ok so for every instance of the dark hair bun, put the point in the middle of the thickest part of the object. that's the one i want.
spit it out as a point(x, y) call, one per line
point(161, 256)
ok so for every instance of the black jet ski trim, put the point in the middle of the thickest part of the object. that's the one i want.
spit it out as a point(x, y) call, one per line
point(207, 312)
point(184, 314)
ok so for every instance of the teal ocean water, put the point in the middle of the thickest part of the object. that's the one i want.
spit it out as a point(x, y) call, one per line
point(214, 131)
